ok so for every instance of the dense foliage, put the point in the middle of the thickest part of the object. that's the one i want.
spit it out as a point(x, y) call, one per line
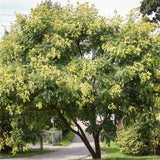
point(139, 140)
point(78, 65)
point(151, 8)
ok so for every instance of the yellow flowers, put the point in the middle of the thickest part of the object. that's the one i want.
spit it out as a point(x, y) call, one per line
point(132, 109)
point(39, 105)
point(86, 89)
point(145, 76)
point(115, 91)
point(158, 117)
point(112, 107)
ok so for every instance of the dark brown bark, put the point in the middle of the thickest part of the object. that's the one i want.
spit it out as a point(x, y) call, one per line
point(85, 140)
point(97, 146)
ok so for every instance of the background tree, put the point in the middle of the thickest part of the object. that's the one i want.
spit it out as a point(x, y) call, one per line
point(151, 7)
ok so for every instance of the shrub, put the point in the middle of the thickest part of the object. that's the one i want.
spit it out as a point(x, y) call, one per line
point(136, 141)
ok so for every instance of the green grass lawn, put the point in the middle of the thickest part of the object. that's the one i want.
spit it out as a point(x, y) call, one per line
point(113, 153)
point(23, 154)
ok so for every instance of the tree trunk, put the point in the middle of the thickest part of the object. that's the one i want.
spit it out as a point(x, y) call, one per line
point(95, 154)
point(84, 139)
point(97, 146)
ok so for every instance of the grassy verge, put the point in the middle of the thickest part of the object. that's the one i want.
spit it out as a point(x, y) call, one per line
point(67, 139)
point(23, 154)
point(113, 153)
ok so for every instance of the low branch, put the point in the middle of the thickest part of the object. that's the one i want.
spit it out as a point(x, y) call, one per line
point(78, 46)
point(84, 139)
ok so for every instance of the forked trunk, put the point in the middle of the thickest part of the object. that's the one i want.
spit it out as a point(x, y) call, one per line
point(95, 153)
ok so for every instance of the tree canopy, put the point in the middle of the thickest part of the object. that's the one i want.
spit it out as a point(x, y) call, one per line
point(151, 7)
point(81, 66)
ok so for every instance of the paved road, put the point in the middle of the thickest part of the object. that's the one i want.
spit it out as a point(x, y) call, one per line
point(76, 150)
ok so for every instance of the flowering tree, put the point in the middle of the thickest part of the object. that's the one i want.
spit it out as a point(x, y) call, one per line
point(82, 66)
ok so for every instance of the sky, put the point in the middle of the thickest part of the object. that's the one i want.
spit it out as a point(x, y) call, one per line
point(105, 7)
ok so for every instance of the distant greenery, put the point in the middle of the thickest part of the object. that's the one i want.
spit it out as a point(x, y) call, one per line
point(23, 154)
point(66, 139)
point(113, 153)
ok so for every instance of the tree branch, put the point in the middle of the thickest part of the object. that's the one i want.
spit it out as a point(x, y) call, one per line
point(84, 139)
point(61, 116)
point(78, 45)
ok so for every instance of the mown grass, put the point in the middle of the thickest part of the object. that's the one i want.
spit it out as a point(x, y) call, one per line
point(67, 140)
point(113, 153)
point(23, 154)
